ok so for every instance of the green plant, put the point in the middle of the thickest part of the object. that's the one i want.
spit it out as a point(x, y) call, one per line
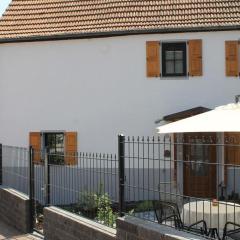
point(105, 214)
point(144, 206)
point(88, 201)
point(97, 205)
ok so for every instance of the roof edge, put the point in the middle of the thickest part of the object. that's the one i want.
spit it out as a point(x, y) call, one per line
point(118, 33)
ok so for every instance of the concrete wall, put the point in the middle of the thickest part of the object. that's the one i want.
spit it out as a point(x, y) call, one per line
point(61, 225)
point(99, 88)
point(14, 209)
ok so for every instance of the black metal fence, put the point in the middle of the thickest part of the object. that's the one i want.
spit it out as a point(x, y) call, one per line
point(189, 182)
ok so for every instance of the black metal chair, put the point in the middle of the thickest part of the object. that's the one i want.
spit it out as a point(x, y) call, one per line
point(233, 233)
point(169, 211)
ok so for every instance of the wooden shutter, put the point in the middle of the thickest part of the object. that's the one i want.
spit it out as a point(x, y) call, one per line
point(195, 57)
point(70, 148)
point(153, 59)
point(35, 142)
point(232, 59)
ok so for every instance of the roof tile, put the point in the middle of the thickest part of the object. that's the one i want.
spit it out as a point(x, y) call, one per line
point(36, 18)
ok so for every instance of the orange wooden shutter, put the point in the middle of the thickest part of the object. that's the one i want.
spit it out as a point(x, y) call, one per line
point(232, 59)
point(195, 57)
point(153, 59)
point(35, 142)
point(71, 148)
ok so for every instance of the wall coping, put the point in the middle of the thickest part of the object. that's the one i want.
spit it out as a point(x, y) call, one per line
point(15, 192)
point(82, 220)
point(162, 229)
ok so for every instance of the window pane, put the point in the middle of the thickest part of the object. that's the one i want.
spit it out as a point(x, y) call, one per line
point(54, 142)
point(179, 67)
point(178, 55)
point(174, 59)
point(169, 55)
point(170, 67)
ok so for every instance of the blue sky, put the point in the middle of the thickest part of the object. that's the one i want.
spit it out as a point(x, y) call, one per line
point(3, 5)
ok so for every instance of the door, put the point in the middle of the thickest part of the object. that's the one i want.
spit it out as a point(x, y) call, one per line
point(200, 165)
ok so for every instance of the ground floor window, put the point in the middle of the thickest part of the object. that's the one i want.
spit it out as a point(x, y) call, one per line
point(61, 146)
point(54, 145)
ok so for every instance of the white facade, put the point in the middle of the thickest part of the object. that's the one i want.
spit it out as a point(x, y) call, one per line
point(98, 87)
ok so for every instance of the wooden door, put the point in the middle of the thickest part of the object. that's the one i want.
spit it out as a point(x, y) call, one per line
point(232, 154)
point(200, 165)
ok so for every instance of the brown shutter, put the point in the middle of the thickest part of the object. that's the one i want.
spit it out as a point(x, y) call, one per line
point(195, 57)
point(232, 59)
point(71, 148)
point(35, 142)
point(153, 59)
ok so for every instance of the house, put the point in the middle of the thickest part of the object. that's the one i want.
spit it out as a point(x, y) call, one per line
point(74, 74)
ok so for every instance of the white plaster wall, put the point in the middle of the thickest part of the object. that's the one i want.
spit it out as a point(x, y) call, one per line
point(99, 88)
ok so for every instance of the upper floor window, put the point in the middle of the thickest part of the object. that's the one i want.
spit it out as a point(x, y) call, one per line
point(174, 61)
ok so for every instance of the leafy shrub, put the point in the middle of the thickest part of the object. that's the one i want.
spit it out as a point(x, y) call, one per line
point(88, 201)
point(105, 214)
point(144, 206)
point(97, 205)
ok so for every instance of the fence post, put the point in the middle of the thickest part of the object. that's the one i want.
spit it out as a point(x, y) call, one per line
point(47, 178)
point(1, 167)
point(121, 169)
point(31, 187)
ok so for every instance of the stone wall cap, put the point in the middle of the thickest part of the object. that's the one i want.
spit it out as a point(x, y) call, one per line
point(15, 192)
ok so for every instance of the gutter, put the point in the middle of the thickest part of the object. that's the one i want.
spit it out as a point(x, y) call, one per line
point(117, 33)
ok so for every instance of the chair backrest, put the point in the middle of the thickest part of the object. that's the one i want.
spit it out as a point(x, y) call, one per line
point(233, 232)
point(166, 211)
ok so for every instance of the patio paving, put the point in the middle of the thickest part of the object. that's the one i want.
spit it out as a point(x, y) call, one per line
point(9, 233)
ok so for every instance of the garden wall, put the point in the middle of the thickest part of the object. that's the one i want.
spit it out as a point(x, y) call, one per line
point(61, 225)
point(130, 228)
point(14, 209)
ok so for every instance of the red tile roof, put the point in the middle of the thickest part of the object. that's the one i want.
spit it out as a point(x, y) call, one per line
point(51, 18)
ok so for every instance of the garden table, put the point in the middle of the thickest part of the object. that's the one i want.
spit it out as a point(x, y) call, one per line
point(216, 216)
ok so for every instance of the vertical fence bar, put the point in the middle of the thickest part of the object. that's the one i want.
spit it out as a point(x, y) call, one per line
point(47, 178)
point(31, 187)
point(121, 169)
point(1, 167)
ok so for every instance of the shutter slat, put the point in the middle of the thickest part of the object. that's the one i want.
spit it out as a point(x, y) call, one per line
point(153, 58)
point(35, 142)
point(70, 148)
point(232, 59)
point(195, 57)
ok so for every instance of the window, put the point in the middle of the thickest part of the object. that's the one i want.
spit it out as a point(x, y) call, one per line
point(174, 59)
point(62, 147)
point(54, 144)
